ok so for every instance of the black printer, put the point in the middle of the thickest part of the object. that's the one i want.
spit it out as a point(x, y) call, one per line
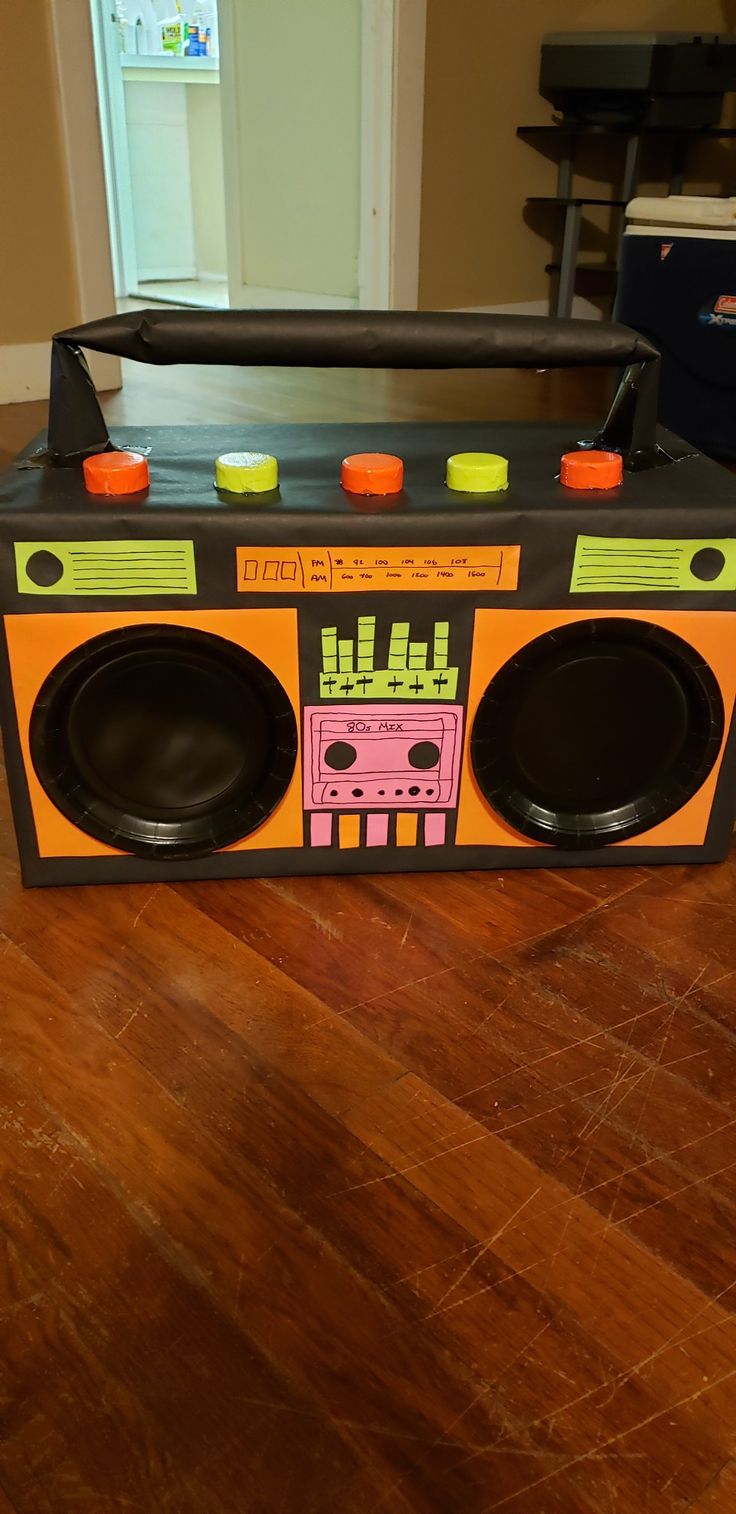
point(638, 78)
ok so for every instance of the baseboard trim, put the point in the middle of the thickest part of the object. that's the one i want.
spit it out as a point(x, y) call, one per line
point(24, 372)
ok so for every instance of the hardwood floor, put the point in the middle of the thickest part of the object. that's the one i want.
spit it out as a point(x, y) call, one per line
point(191, 396)
point(335, 1196)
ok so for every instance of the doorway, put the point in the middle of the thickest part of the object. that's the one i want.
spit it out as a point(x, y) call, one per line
point(249, 149)
point(158, 81)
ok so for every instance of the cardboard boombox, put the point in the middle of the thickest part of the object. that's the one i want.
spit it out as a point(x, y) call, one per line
point(505, 660)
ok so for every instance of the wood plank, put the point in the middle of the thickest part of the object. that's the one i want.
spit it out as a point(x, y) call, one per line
point(128, 1340)
point(661, 1298)
point(720, 1497)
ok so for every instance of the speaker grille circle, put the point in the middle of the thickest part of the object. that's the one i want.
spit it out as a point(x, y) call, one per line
point(164, 740)
point(596, 731)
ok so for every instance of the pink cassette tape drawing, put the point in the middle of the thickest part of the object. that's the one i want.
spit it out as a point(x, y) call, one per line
point(382, 756)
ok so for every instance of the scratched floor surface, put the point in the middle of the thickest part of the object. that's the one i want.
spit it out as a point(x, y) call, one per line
point(335, 1196)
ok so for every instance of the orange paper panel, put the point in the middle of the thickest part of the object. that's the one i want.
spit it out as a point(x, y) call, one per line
point(498, 634)
point(37, 643)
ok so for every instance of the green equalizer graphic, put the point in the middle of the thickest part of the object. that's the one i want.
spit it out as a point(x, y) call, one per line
point(132, 568)
point(627, 564)
point(413, 672)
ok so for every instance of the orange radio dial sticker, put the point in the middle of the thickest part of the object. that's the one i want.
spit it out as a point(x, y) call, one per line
point(334, 570)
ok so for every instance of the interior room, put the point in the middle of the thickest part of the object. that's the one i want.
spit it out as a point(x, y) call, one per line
point(161, 131)
point(368, 766)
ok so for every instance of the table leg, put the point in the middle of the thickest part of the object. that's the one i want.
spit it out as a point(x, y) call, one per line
point(568, 260)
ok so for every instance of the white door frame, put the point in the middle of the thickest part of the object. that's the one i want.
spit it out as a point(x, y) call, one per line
point(114, 132)
point(392, 95)
point(394, 43)
point(376, 151)
point(407, 142)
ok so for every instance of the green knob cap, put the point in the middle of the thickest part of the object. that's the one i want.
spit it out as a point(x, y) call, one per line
point(477, 472)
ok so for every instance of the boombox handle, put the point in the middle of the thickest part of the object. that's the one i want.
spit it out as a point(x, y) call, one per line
point(353, 339)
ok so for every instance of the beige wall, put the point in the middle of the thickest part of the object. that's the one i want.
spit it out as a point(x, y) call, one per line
point(482, 69)
point(37, 276)
point(54, 243)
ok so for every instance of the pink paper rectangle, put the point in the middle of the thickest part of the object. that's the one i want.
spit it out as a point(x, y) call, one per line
point(376, 830)
point(320, 829)
point(434, 830)
point(377, 746)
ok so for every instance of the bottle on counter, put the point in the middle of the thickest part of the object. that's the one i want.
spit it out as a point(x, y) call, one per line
point(208, 36)
point(172, 36)
point(147, 29)
point(127, 32)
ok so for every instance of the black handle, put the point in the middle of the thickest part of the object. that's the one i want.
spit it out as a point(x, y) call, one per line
point(351, 339)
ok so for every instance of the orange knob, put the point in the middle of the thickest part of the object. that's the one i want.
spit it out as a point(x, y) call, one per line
point(115, 473)
point(372, 473)
point(591, 470)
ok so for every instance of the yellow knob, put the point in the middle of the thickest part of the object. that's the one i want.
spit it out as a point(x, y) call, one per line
point(246, 472)
point(477, 472)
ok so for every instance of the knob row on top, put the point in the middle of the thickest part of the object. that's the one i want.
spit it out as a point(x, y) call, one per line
point(368, 473)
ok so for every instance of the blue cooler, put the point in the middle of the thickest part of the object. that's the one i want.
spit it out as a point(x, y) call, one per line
point(678, 286)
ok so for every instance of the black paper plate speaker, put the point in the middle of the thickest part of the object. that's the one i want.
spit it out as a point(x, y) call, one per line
point(164, 741)
point(596, 731)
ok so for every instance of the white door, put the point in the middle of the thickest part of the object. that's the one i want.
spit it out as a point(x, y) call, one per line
point(306, 96)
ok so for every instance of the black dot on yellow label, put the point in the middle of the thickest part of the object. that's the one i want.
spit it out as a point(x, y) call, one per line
point(707, 564)
point(44, 569)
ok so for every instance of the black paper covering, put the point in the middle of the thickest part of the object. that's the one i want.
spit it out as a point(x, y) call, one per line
point(351, 339)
